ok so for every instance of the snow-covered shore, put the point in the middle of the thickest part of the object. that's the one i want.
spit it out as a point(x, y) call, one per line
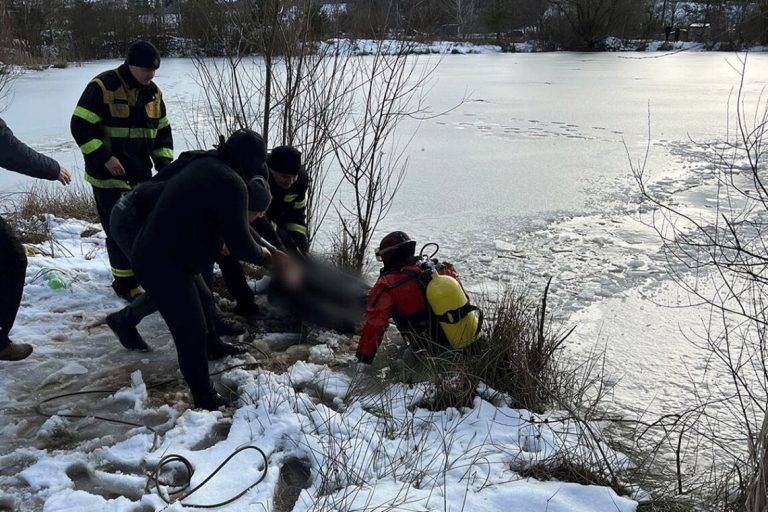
point(365, 450)
point(362, 47)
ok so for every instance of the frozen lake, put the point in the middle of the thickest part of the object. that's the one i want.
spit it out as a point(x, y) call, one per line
point(539, 133)
point(527, 178)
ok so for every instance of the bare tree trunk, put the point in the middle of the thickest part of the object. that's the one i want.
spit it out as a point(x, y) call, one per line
point(267, 98)
point(7, 72)
point(757, 499)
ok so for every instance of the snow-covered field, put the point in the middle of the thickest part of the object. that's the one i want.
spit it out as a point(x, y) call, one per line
point(364, 450)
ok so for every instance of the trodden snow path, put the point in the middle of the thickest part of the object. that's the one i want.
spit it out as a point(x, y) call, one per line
point(363, 451)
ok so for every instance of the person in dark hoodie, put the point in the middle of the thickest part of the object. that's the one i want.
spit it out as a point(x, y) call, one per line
point(121, 127)
point(18, 157)
point(128, 217)
point(202, 207)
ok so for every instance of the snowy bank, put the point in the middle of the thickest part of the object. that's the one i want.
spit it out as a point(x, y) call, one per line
point(363, 450)
point(392, 47)
point(362, 47)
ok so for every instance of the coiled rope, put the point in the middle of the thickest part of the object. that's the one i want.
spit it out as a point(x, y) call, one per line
point(172, 458)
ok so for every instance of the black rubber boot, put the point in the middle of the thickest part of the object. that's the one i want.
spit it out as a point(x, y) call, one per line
point(210, 401)
point(15, 352)
point(218, 349)
point(227, 327)
point(127, 334)
point(246, 309)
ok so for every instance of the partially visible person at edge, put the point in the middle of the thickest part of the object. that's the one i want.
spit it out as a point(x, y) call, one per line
point(121, 126)
point(18, 157)
point(284, 225)
point(397, 294)
point(198, 210)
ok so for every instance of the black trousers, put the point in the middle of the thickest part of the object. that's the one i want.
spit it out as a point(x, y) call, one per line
point(175, 292)
point(106, 198)
point(13, 268)
point(125, 224)
point(234, 278)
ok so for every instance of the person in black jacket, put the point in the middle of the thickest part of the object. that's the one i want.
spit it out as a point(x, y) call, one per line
point(17, 157)
point(284, 225)
point(128, 217)
point(200, 209)
point(121, 126)
point(286, 228)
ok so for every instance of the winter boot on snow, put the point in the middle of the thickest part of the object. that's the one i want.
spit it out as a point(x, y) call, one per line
point(210, 401)
point(15, 352)
point(227, 327)
point(218, 349)
point(127, 334)
point(246, 309)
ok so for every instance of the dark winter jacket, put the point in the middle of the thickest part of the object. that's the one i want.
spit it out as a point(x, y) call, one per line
point(198, 210)
point(18, 157)
point(117, 116)
point(147, 194)
point(287, 215)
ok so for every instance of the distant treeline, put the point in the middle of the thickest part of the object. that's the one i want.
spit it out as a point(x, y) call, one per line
point(86, 29)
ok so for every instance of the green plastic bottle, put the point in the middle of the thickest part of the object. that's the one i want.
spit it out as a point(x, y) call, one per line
point(54, 279)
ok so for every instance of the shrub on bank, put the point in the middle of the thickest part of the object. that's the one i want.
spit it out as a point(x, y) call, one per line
point(27, 211)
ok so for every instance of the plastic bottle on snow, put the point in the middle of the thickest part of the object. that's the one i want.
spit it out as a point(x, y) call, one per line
point(54, 279)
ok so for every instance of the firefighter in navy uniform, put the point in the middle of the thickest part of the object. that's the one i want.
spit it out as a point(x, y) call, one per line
point(121, 126)
point(286, 228)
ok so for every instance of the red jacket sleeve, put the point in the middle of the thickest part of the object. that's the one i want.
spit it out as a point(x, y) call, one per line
point(377, 315)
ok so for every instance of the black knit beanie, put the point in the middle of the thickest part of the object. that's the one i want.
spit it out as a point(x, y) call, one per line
point(285, 160)
point(143, 54)
point(259, 195)
point(245, 152)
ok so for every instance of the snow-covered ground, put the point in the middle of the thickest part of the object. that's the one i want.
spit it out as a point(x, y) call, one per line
point(365, 450)
point(393, 46)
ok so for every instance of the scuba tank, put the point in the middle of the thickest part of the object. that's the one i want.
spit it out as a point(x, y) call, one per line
point(459, 320)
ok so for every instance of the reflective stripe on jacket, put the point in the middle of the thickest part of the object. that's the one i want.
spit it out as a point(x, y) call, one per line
point(288, 209)
point(117, 116)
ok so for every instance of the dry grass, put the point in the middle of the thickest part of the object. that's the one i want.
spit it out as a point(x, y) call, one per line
point(517, 356)
point(342, 253)
point(26, 211)
point(519, 361)
point(566, 470)
point(72, 202)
